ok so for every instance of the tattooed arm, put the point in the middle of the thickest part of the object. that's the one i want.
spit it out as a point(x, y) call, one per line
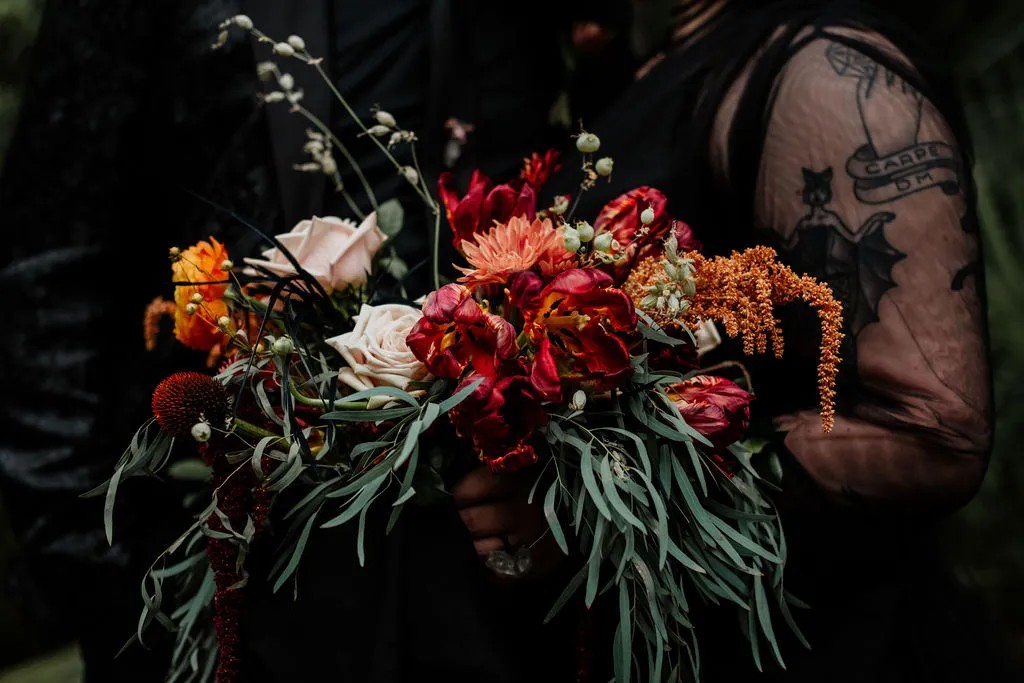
point(860, 179)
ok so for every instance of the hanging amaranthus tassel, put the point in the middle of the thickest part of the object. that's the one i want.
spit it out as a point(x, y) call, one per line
point(741, 292)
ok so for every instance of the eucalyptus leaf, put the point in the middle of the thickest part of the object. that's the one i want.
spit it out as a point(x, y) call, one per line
point(390, 392)
point(590, 481)
point(595, 560)
point(611, 489)
point(405, 497)
point(566, 594)
point(552, 516)
point(315, 493)
point(296, 555)
point(751, 633)
point(390, 217)
point(190, 470)
point(108, 505)
point(742, 540)
point(787, 615)
point(461, 395)
point(361, 500)
point(361, 537)
point(373, 416)
point(764, 618)
point(623, 658)
point(411, 443)
point(661, 514)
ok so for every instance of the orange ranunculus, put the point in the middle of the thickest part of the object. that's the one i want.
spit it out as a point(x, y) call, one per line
point(201, 263)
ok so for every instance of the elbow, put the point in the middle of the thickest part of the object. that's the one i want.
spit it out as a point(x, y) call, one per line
point(967, 475)
point(956, 450)
point(969, 457)
point(932, 466)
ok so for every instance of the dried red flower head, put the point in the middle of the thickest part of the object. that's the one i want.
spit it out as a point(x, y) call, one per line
point(484, 204)
point(185, 398)
point(716, 407)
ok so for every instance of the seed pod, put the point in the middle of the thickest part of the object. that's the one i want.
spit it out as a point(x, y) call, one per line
point(201, 432)
point(588, 143)
point(385, 119)
point(571, 239)
point(282, 346)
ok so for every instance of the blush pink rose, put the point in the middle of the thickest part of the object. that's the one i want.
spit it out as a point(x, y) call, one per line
point(376, 352)
point(338, 253)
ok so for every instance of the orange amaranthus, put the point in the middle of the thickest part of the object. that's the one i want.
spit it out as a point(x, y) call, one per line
point(741, 292)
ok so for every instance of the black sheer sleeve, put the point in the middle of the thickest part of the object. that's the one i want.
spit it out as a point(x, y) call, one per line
point(864, 185)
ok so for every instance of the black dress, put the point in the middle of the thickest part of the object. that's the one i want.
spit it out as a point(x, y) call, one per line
point(883, 606)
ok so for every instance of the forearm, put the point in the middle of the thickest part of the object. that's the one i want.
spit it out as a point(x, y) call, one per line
point(867, 462)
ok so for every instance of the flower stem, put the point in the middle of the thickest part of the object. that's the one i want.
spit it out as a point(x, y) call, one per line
point(327, 405)
point(312, 118)
point(248, 429)
point(359, 122)
point(437, 250)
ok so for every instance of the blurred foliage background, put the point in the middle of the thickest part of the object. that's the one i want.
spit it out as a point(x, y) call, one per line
point(985, 540)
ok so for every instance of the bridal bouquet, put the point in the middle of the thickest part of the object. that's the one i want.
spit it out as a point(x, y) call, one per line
point(563, 347)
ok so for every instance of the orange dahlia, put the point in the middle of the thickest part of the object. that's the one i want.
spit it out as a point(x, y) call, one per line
point(515, 246)
point(201, 264)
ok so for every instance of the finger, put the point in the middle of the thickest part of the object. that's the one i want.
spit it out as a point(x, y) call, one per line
point(488, 545)
point(478, 486)
point(488, 520)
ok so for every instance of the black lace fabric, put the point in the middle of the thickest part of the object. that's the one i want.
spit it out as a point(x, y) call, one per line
point(864, 184)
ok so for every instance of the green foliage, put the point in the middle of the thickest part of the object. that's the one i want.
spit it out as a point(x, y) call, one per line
point(19, 20)
point(986, 540)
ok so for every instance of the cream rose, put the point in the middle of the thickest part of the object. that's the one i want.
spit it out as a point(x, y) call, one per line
point(338, 253)
point(376, 352)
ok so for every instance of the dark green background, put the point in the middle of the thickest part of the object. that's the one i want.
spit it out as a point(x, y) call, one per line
point(984, 541)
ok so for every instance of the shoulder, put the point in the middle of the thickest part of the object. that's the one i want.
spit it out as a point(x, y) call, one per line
point(822, 91)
